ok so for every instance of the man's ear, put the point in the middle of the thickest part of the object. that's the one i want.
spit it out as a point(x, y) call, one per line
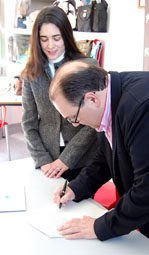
point(92, 97)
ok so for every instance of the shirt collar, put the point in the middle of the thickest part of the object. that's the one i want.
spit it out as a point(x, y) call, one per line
point(106, 123)
point(52, 62)
point(58, 59)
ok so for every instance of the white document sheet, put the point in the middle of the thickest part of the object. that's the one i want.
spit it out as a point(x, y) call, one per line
point(12, 197)
point(48, 219)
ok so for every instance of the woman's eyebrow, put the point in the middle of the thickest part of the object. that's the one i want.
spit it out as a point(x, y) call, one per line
point(43, 36)
point(56, 35)
point(52, 35)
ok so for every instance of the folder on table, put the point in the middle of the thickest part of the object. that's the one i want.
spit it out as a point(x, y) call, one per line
point(12, 198)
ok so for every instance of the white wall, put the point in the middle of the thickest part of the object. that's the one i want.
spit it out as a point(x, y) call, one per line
point(125, 38)
point(123, 42)
point(124, 45)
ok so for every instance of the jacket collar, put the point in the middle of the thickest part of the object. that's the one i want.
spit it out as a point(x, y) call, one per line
point(48, 70)
point(116, 92)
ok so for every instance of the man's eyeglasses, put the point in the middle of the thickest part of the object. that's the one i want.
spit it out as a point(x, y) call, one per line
point(76, 118)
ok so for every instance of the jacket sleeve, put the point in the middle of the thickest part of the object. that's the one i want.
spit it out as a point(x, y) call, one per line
point(132, 210)
point(83, 142)
point(30, 123)
point(94, 175)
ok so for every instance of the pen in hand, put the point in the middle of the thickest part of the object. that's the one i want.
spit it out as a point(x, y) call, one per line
point(63, 193)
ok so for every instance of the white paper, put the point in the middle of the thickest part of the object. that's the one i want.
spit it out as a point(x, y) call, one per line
point(48, 219)
point(12, 197)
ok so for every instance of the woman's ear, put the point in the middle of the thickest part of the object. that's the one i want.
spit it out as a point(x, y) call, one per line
point(92, 97)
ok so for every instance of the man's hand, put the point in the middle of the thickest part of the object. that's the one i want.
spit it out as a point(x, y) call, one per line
point(78, 228)
point(54, 169)
point(69, 195)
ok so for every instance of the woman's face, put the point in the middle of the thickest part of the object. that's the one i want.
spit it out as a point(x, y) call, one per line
point(51, 41)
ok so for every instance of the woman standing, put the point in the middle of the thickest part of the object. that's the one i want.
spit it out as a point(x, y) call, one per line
point(56, 146)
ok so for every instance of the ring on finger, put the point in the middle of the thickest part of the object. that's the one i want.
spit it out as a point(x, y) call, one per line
point(58, 169)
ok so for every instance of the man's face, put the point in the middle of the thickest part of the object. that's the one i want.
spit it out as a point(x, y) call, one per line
point(88, 114)
point(92, 107)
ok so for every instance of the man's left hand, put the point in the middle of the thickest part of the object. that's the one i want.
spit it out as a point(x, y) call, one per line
point(78, 228)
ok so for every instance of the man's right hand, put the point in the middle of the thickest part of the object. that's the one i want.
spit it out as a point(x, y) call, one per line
point(69, 195)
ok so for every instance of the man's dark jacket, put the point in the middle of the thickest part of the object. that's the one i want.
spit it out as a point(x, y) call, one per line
point(127, 163)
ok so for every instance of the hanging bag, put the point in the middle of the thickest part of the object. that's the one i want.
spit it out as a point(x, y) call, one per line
point(85, 46)
point(69, 7)
point(92, 17)
point(99, 23)
point(84, 17)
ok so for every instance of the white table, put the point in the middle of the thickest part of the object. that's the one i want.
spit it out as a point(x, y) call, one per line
point(18, 238)
point(8, 98)
point(7, 95)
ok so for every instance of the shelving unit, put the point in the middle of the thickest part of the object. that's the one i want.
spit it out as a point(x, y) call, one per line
point(21, 31)
point(13, 36)
point(10, 34)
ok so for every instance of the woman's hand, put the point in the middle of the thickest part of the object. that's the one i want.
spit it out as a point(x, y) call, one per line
point(54, 169)
point(78, 228)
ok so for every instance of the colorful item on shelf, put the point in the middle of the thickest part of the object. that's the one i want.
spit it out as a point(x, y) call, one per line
point(85, 46)
point(69, 7)
point(96, 50)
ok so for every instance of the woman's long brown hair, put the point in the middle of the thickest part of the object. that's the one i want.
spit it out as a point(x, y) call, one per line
point(37, 58)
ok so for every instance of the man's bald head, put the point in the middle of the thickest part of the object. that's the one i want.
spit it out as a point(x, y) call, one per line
point(75, 78)
point(64, 72)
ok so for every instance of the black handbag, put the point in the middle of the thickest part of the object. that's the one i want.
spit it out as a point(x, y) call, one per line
point(92, 17)
point(99, 23)
point(84, 14)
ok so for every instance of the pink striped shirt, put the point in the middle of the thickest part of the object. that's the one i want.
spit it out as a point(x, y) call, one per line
point(106, 123)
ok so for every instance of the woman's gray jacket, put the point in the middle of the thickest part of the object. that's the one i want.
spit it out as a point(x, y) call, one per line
point(42, 124)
